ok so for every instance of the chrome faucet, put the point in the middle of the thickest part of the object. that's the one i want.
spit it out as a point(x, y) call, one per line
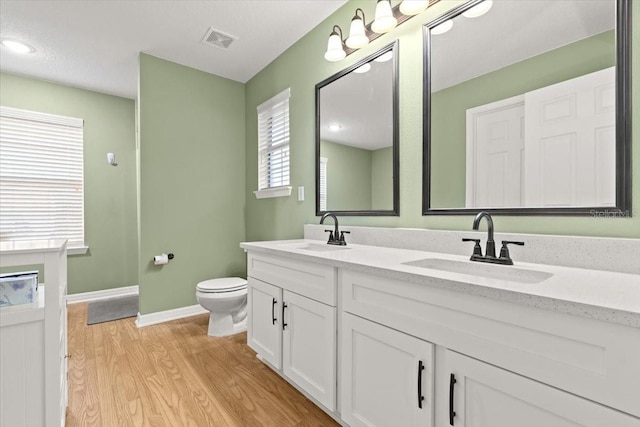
point(336, 237)
point(490, 251)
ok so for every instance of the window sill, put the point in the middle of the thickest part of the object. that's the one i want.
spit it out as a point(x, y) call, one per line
point(77, 250)
point(273, 192)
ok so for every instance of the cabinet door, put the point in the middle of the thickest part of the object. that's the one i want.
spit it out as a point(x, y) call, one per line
point(387, 376)
point(482, 395)
point(309, 347)
point(264, 322)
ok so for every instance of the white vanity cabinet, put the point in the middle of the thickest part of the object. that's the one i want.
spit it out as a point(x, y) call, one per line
point(387, 376)
point(476, 394)
point(292, 322)
point(479, 340)
point(263, 329)
point(33, 340)
point(399, 339)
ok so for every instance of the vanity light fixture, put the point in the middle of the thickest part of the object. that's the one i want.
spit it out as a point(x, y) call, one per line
point(442, 28)
point(17, 46)
point(335, 48)
point(385, 21)
point(361, 34)
point(413, 7)
point(357, 32)
point(363, 68)
point(334, 127)
point(478, 10)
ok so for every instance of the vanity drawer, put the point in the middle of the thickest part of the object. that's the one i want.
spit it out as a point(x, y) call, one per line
point(315, 281)
point(588, 357)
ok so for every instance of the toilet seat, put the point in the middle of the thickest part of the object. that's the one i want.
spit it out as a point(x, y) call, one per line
point(223, 285)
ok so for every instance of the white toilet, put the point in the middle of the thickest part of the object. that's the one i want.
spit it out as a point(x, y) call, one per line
point(226, 299)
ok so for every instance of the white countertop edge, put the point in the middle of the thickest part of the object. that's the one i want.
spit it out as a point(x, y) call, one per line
point(436, 279)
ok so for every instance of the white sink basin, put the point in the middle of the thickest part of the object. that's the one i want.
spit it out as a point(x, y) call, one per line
point(491, 271)
point(318, 247)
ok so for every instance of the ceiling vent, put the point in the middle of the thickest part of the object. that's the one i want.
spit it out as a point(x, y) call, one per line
point(217, 38)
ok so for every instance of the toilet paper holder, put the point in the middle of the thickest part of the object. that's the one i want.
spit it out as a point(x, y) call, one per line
point(163, 258)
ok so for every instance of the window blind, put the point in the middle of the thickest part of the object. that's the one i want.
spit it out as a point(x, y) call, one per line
point(273, 141)
point(41, 176)
point(323, 183)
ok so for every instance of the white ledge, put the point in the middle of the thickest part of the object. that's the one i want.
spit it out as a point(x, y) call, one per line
point(77, 250)
point(273, 192)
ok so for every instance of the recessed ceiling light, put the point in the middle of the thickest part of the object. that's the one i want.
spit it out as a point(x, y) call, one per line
point(334, 127)
point(442, 28)
point(363, 68)
point(478, 10)
point(16, 46)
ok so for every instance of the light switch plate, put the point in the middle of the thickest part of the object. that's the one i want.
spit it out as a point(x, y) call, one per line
point(301, 194)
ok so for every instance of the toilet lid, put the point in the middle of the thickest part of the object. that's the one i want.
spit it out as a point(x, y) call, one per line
point(225, 284)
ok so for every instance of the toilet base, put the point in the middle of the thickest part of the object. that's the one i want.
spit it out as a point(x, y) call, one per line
point(222, 325)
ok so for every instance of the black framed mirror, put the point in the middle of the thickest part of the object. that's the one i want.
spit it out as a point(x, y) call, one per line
point(528, 109)
point(357, 154)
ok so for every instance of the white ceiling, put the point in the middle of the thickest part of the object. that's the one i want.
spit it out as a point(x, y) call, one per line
point(362, 105)
point(94, 44)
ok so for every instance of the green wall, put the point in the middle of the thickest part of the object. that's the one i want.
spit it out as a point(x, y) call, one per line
point(281, 218)
point(192, 180)
point(358, 179)
point(450, 105)
point(382, 179)
point(109, 193)
point(348, 176)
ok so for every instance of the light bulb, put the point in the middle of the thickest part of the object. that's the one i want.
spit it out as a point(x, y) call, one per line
point(384, 17)
point(357, 33)
point(17, 47)
point(413, 7)
point(363, 68)
point(384, 57)
point(479, 9)
point(335, 51)
point(442, 28)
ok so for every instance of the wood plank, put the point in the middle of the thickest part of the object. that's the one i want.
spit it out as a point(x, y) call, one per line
point(173, 374)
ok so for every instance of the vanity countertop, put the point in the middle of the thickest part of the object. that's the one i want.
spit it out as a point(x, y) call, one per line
point(602, 295)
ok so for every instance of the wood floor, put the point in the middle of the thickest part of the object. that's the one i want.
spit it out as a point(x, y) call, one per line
point(173, 374)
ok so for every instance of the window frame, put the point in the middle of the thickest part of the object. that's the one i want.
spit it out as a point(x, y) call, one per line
point(58, 142)
point(274, 142)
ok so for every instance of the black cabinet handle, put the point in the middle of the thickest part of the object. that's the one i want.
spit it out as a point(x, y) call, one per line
point(284, 324)
point(420, 396)
point(452, 381)
point(273, 311)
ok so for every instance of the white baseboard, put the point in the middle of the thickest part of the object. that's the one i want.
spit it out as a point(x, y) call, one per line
point(167, 315)
point(104, 294)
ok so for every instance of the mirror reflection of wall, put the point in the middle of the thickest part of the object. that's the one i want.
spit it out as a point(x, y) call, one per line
point(356, 137)
point(523, 106)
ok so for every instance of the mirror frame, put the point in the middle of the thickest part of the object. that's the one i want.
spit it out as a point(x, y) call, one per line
point(623, 128)
point(395, 211)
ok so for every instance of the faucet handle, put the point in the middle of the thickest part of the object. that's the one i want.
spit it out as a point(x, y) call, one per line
point(331, 239)
point(504, 251)
point(342, 233)
point(477, 250)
